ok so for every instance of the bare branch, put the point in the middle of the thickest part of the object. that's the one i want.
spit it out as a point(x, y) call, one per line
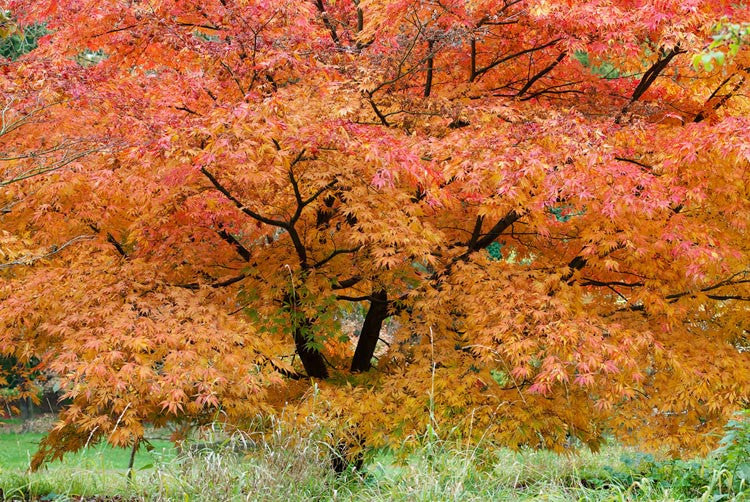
point(38, 171)
point(30, 260)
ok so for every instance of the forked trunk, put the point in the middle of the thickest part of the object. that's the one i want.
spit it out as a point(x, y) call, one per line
point(370, 334)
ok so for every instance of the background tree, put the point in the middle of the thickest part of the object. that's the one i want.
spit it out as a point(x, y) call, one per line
point(564, 245)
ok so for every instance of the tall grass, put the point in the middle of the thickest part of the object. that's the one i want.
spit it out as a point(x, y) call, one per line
point(286, 466)
point(291, 468)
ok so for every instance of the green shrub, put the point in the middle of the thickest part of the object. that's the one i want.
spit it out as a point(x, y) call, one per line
point(724, 475)
point(22, 41)
point(734, 450)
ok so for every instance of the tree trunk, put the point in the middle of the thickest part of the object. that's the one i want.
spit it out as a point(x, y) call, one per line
point(368, 338)
point(312, 359)
point(131, 462)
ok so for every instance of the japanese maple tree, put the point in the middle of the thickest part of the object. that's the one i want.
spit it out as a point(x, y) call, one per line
point(550, 201)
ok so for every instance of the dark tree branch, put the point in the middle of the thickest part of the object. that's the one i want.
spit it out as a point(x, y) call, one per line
point(319, 192)
point(594, 282)
point(295, 185)
point(473, 63)
point(354, 299)
point(648, 79)
point(120, 250)
point(114, 30)
point(334, 254)
point(730, 281)
point(430, 66)
point(478, 73)
point(542, 73)
point(476, 233)
point(234, 242)
point(186, 110)
point(221, 284)
point(701, 115)
point(204, 26)
point(501, 226)
point(347, 283)
point(370, 332)
point(551, 91)
point(377, 111)
point(729, 297)
point(575, 264)
point(234, 77)
point(293, 375)
point(299, 247)
point(327, 21)
point(240, 205)
point(312, 359)
point(637, 163)
point(360, 18)
point(111, 239)
point(721, 284)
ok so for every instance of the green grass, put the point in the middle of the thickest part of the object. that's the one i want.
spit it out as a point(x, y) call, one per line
point(95, 470)
point(16, 451)
point(290, 467)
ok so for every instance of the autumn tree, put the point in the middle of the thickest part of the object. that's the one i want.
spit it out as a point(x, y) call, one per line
point(549, 199)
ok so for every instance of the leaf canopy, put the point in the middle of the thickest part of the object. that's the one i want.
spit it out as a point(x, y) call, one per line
point(560, 241)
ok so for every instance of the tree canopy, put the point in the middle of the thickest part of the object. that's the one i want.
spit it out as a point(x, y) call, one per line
point(549, 201)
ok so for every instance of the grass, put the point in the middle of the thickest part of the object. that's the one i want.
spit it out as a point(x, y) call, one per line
point(290, 468)
point(16, 451)
point(98, 470)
